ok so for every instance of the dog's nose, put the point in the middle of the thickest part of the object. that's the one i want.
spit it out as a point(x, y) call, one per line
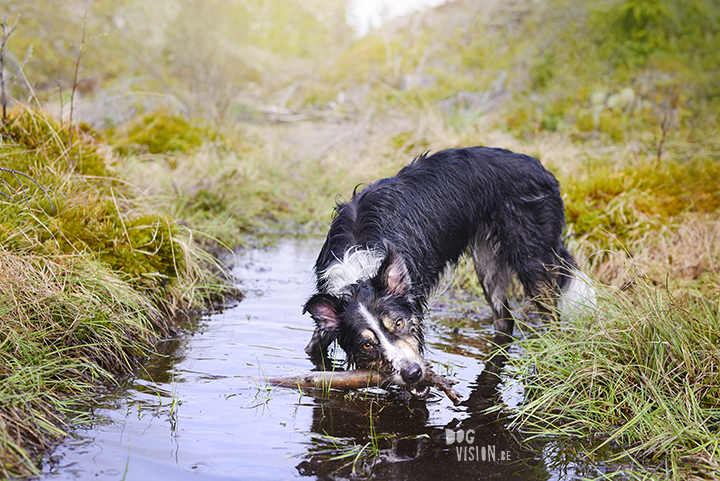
point(411, 374)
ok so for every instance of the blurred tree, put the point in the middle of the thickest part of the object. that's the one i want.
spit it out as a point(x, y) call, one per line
point(200, 51)
point(215, 47)
point(51, 31)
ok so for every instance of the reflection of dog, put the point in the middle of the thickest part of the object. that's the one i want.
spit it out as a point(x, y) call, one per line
point(388, 247)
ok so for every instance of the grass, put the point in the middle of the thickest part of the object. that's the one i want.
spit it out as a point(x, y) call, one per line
point(643, 384)
point(88, 276)
point(97, 251)
point(641, 373)
point(663, 216)
point(253, 185)
point(68, 325)
point(358, 455)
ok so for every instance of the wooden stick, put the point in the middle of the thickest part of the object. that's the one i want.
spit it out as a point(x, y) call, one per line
point(444, 384)
point(344, 380)
point(357, 379)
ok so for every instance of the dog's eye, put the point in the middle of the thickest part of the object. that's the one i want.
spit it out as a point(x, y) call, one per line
point(367, 346)
point(399, 323)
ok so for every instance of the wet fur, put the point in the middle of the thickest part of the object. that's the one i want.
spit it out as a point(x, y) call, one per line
point(389, 245)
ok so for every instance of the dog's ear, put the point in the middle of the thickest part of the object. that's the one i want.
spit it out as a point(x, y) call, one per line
point(324, 310)
point(393, 275)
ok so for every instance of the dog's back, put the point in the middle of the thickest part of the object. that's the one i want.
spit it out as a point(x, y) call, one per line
point(438, 205)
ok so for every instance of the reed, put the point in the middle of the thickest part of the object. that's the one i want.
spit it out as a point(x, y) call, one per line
point(642, 373)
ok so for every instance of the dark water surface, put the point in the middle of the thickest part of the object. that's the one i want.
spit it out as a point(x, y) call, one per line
point(203, 411)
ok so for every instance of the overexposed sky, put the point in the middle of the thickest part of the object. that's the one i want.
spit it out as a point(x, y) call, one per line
point(366, 14)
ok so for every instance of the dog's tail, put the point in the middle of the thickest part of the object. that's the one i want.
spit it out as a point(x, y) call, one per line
point(577, 294)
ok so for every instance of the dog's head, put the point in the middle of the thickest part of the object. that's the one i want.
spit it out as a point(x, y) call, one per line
point(377, 323)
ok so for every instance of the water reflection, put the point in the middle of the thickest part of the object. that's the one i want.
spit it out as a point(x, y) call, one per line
point(372, 436)
point(200, 407)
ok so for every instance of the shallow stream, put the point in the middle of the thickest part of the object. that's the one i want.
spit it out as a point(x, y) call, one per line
point(201, 408)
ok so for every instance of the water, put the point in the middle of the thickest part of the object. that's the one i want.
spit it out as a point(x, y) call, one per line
point(201, 410)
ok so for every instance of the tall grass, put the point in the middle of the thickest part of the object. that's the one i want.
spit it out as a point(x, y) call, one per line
point(89, 273)
point(258, 181)
point(643, 373)
point(68, 324)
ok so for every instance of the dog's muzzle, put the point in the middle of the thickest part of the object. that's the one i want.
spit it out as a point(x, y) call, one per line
point(412, 375)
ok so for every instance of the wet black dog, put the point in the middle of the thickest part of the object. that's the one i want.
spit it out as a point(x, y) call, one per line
point(389, 246)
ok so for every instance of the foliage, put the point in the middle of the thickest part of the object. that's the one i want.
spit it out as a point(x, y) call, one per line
point(610, 205)
point(631, 84)
point(68, 323)
point(633, 32)
point(641, 372)
point(196, 56)
point(92, 211)
point(622, 67)
point(161, 133)
point(87, 272)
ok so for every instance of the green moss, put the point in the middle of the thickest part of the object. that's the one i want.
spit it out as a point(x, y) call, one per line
point(408, 143)
point(662, 51)
point(161, 133)
point(91, 211)
point(34, 139)
point(543, 72)
point(87, 268)
point(611, 205)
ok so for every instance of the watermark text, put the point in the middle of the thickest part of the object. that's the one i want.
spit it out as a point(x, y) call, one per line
point(467, 450)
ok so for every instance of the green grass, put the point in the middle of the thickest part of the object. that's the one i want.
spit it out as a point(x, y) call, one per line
point(68, 324)
point(88, 275)
point(356, 456)
point(641, 373)
point(630, 85)
point(249, 187)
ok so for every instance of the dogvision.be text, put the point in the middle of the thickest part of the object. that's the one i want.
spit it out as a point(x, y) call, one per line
point(469, 452)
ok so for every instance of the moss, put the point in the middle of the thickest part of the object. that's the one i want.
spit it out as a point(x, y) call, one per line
point(34, 139)
point(91, 211)
point(161, 133)
point(609, 206)
point(87, 268)
point(407, 142)
point(663, 51)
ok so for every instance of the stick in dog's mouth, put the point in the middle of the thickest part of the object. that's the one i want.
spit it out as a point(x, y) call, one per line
point(362, 378)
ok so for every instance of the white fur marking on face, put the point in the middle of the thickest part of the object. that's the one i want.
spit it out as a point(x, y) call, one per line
point(387, 346)
point(399, 357)
point(356, 265)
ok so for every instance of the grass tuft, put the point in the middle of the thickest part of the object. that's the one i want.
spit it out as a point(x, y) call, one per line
point(89, 272)
point(68, 325)
point(642, 373)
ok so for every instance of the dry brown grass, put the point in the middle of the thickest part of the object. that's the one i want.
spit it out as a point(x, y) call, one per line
point(681, 254)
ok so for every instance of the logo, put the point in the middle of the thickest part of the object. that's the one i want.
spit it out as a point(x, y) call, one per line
point(466, 450)
point(452, 436)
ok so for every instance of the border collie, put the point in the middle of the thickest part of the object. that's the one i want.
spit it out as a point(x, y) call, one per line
point(389, 246)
